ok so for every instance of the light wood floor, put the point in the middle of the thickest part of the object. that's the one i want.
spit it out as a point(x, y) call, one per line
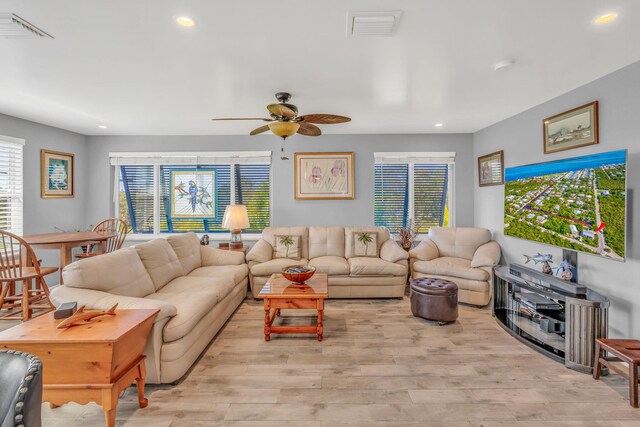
point(378, 366)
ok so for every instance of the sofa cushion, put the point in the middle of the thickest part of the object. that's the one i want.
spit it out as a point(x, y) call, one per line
point(383, 236)
point(287, 246)
point(160, 260)
point(332, 265)
point(191, 308)
point(187, 248)
point(269, 235)
point(237, 272)
point(119, 272)
point(326, 241)
point(451, 266)
point(185, 284)
point(367, 266)
point(274, 266)
point(459, 242)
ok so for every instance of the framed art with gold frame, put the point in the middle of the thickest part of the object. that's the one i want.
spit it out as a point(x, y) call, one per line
point(491, 169)
point(56, 174)
point(575, 128)
point(324, 176)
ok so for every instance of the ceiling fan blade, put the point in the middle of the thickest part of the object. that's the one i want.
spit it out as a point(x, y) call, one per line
point(281, 110)
point(259, 130)
point(307, 129)
point(324, 119)
point(246, 118)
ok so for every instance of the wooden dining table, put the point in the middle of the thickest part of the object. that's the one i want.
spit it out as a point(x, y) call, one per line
point(65, 242)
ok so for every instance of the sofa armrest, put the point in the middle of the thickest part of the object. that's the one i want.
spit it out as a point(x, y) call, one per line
point(425, 251)
point(262, 251)
point(212, 256)
point(486, 255)
point(390, 251)
point(98, 300)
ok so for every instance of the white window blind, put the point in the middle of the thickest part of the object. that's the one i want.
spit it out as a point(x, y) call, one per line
point(11, 184)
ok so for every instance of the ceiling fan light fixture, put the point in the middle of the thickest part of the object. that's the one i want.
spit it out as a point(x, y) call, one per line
point(284, 129)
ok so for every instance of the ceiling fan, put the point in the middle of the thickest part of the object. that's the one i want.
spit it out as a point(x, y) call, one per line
point(285, 122)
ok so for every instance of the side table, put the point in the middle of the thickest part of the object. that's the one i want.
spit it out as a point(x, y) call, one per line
point(87, 363)
point(627, 351)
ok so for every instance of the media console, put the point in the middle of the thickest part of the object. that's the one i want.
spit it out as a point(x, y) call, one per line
point(562, 323)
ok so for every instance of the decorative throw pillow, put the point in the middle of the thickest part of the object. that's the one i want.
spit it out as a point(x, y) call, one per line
point(287, 247)
point(365, 243)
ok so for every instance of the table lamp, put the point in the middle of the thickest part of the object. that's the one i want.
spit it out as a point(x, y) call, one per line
point(235, 219)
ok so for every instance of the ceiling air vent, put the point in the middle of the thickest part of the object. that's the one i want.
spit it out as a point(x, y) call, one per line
point(372, 24)
point(14, 27)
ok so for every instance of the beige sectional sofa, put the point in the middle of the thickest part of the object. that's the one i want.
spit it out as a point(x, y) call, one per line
point(463, 255)
point(331, 250)
point(196, 288)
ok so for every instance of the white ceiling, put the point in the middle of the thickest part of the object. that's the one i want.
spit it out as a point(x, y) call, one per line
point(127, 65)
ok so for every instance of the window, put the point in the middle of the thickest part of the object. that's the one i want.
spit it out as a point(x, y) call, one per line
point(11, 201)
point(414, 186)
point(180, 192)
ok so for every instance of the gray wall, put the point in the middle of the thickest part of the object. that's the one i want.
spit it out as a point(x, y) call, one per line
point(42, 215)
point(520, 137)
point(286, 210)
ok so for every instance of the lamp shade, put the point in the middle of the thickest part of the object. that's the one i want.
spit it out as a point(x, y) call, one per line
point(284, 129)
point(235, 217)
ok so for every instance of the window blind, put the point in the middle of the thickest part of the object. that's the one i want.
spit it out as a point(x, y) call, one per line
point(430, 195)
point(391, 195)
point(252, 190)
point(11, 185)
point(136, 197)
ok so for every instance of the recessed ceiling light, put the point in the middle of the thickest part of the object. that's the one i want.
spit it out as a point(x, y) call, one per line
point(185, 21)
point(606, 18)
point(503, 65)
point(102, 126)
point(439, 125)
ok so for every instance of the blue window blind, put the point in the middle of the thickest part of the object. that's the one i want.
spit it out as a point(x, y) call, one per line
point(252, 190)
point(136, 197)
point(391, 195)
point(430, 196)
point(182, 225)
point(411, 191)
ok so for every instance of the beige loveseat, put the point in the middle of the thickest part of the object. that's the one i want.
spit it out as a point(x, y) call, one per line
point(463, 255)
point(331, 250)
point(196, 288)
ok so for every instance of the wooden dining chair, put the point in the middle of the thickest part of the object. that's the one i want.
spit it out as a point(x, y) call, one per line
point(23, 289)
point(114, 226)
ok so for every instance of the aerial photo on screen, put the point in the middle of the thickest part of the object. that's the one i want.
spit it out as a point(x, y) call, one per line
point(576, 203)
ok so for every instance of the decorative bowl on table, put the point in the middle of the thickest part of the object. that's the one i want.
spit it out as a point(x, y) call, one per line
point(298, 273)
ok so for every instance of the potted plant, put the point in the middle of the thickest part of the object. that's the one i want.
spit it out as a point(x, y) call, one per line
point(406, 235)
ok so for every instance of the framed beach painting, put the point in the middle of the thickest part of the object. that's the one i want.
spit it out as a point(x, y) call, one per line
point(193, 194)
point(491, 169)
point(572, 129)
point(56, 172)
point(324, 176)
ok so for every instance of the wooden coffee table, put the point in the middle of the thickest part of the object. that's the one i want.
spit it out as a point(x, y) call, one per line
point(279, 293)
point(87, 363)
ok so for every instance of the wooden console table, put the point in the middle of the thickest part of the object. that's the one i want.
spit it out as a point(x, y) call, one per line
point(279, 293)
point(87, 363)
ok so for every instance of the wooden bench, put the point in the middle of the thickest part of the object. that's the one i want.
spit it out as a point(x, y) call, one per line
point(627, 351)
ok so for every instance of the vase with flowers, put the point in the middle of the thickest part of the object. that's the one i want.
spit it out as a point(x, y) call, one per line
point(406, 235)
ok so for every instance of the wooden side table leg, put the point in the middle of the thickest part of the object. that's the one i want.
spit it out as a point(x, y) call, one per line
point(26, 310)
point(142, 374)
point(109, 403)
point(320, 328)
point(597, 370)
point(633, 384)
point(267, 319)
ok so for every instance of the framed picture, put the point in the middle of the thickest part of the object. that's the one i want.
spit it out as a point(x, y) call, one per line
point(324, 176)
point(56, 174)
point(193, 194)
point(491, 169)
point(571, 129)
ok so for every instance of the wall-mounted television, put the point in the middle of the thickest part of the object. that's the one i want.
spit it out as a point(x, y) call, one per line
point(577, 203)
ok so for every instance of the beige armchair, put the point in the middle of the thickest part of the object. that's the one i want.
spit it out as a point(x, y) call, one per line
point(465, 256)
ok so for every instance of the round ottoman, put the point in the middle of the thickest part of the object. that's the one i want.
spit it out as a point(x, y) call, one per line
point(434, 299)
